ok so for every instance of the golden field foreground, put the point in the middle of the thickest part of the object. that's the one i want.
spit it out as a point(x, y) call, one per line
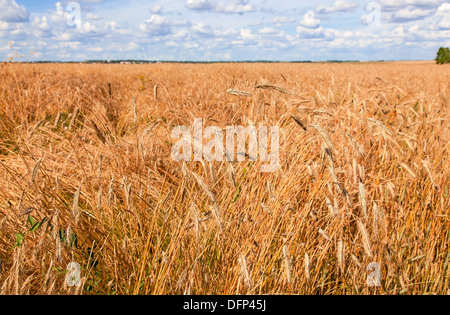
point(87, 177)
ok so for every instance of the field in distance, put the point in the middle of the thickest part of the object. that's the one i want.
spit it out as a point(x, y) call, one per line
point(359, 205)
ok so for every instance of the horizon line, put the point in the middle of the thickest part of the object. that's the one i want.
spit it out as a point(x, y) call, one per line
point(139, 61)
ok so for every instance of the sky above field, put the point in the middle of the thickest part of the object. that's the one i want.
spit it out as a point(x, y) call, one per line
point(211, 30)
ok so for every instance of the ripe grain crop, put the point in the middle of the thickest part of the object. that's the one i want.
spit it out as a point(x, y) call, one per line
point(86, 176)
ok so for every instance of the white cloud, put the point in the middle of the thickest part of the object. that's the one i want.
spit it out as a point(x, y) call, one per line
point(280, 20)
point(444, 8)
point(246, 34)
point(156, 9)
point(308, 33)
point(92, 16)
point(95, 49)
point(443, 14)
point(41, 23)
point(401, 4)
point(12, 12)
point(231, 6)
point(202, 30)
point(310, 20)
point(157, 25)
point(267, 30)
point(200, 5)
point(4, 26)
point(338, 6)
point(409, 13)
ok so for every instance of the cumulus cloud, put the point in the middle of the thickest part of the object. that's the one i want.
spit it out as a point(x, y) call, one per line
point(267, 30)
point(310, 33)
point(12, 12)
point(407, 14)
point(157, 25)
point(156, 9)
point(309, 27)
point(42, 25)
point(202, 30)
point(232, 6)
point(246, 34)
point(310, 20)
point(338, 6)
point(391, 5)
point(443, 14)
point(92, 16)
point(200, 5)
point(280, 20)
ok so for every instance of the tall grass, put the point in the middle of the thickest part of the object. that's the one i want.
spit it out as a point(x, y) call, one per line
point(86, 177)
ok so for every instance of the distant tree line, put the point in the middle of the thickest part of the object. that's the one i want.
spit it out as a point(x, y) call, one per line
point(443, 56)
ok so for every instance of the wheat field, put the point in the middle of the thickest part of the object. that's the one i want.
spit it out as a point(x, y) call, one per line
point(87, 177)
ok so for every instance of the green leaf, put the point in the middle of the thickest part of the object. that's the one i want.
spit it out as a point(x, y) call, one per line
point(237, 194)
point(35, 225)
point(62, 235)
point(19, 239)
point(31, 220)
point(74, 240)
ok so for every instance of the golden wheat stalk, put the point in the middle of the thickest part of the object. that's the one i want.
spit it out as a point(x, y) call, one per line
point(330, 206)
point(380, 125)
point(111, 192)
point(75, 210)
point(427, 168)
point(210, 194)
point(363, 199)
point(196, 219)
point(35, 128)
point(357, 146)
point(307, 267)
point(74, 117)
point(365, 238)
point(287, 263)
point(245, 275)
point(375, 219)
point(35, 170)
point(135, 114)
point(231, 173)
point(57, 120)
point(300, 123)
point(272, 87)
point(324, 136)
point(406, 167)
point(324, 235)
point(340, 254)
point(239, 93)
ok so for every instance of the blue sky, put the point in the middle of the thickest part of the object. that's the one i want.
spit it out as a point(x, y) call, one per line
point(207, 30)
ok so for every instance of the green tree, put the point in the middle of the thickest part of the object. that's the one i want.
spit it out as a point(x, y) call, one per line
point(443, 56)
